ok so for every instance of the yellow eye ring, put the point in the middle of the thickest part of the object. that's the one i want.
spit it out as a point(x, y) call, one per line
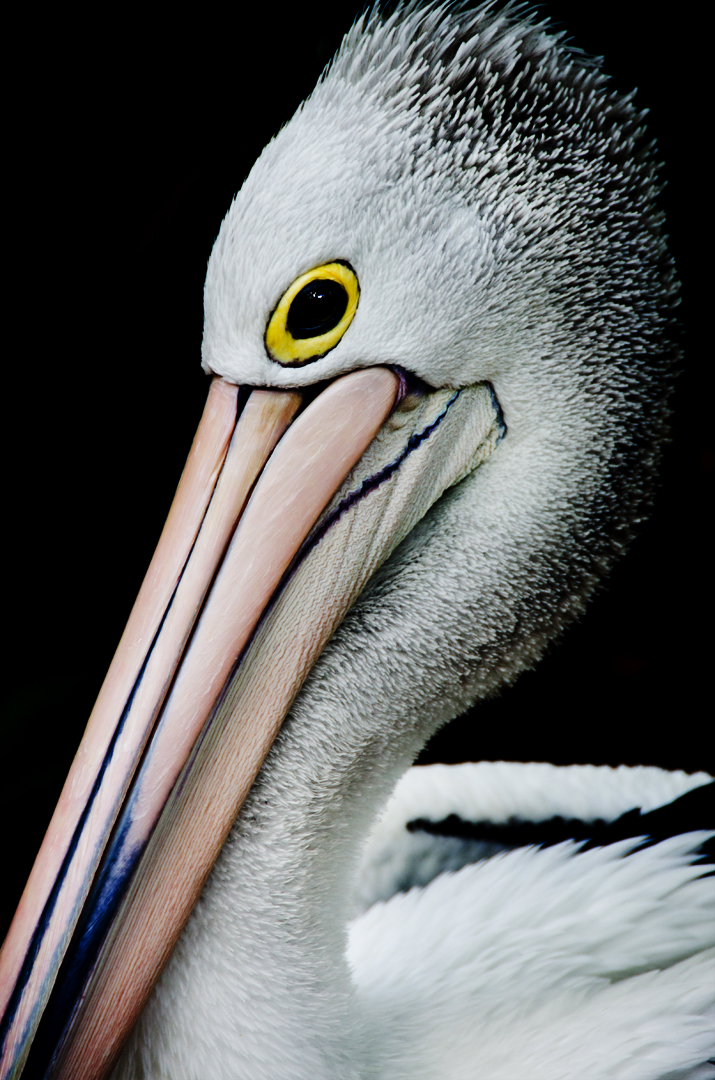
point(313, 314)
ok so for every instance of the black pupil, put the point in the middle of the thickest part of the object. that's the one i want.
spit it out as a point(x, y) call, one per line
point(318, 307)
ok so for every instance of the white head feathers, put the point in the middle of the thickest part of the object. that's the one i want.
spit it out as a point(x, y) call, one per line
point(493, 196)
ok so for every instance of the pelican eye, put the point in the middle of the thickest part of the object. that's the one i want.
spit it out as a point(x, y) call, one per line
point(313, 314)
point(318, 307)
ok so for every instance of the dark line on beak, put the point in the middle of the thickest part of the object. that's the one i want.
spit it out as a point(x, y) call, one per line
point(498, 410)
point(43, 921)
point(410, 383)
point(368, 485)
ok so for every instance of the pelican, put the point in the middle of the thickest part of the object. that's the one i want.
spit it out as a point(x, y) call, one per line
point(438, 321)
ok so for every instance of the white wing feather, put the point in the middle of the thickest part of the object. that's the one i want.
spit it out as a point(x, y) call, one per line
point(395, 860)
point(545, 963)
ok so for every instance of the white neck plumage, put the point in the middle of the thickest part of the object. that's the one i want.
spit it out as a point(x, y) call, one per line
point(264, 951)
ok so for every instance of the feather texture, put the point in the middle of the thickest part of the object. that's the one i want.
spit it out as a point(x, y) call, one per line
point(544, 963)
point(398, 856)
point(535, 958)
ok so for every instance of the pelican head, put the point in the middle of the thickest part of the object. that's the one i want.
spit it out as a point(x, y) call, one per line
point(438, 321)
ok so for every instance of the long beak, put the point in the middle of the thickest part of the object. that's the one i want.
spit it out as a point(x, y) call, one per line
point(228, 623)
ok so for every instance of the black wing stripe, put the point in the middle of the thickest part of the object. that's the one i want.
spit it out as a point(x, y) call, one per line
point(692, 811)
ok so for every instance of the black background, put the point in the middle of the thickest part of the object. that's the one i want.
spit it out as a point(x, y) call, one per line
point(130, 131)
